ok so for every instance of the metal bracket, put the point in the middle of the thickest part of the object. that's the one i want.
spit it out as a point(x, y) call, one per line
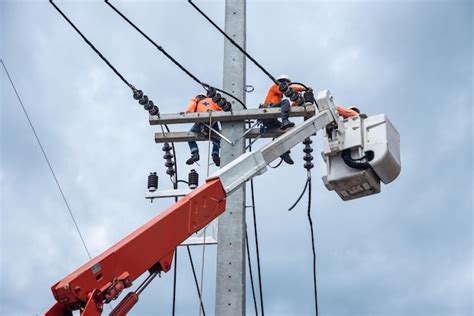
point(167, 193)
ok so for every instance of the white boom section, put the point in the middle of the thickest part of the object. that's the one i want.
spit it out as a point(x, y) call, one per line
point(248, 165)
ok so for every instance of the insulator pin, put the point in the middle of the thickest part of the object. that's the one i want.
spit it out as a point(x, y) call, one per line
point(152, 182)
point(193, 179)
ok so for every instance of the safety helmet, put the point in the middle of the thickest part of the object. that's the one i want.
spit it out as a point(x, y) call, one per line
point(284, 78)
point(354, 108)
point(201, 96)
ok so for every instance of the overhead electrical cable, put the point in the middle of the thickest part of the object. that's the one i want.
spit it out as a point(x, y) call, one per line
point(250, 270)
point(313, 248)
point(284, 87)
point(47, 161)
point(255, 229)
point(171, 58)
point(92, 46)
point(234, 42)
point(137, 94)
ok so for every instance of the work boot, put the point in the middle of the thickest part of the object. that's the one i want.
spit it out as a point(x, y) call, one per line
point(286, 124)
point(194, 157)
point(286, 158)
point(216, 159)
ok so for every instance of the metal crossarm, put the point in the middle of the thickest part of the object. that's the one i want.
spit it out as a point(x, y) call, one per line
point(239, 115)
point(190, 136)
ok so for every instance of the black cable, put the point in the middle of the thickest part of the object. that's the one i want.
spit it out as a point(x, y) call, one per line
point(174, 281)
point(301, 195)
point(233, 42)
point(313, 248)
point(47, 161)
point(277, 165)
point(92, 46)
point(256, 247)
point(255, 229)
point(162, 50)
point(196, 280)
point(250, 270)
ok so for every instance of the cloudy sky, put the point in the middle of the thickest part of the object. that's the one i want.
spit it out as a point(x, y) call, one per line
point(405, 251)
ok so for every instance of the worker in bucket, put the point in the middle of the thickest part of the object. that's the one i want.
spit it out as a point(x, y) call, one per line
point(275, 99)
point(201, 103)
point(348, 112)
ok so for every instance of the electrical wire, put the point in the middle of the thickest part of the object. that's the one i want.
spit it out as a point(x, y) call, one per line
point(233, 42)
point(195, 279)
point(92, 46)
point(47, 160)
point(313, 248)
point(164, 52)
point(173, 310)
point(250, 270)
point(301, 195)
point(255, 229)
point(256, 246)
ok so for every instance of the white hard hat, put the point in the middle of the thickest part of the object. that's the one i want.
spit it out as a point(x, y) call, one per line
point(283, 77)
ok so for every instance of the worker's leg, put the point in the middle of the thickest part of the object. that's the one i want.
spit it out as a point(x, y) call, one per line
point(193, 147)
point(216, 145)
point(285, 114)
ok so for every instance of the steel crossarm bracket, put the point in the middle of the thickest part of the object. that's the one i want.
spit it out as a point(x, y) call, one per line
point(239, 115)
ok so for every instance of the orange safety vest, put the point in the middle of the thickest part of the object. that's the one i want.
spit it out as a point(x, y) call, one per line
point(346, 113)
point(202, 106)
point(274, 94)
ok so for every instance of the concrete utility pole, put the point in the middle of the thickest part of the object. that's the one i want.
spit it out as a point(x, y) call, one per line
point(230, 282)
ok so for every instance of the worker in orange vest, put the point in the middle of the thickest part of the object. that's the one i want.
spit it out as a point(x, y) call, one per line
point(274, 99)
point(201, 103)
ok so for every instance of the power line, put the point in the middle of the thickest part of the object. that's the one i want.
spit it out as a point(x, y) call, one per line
point(138, 95)
point(256, 247)
point(47, 160)
point(250, 270)
point(255, 229)
point(164, 52)
point(313, 248)
point(92, 46)
point(234, 42)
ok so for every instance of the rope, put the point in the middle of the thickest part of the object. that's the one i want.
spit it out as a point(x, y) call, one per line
point(164, 52)
point(233, 42)
point(47, 160)
point(92, 46)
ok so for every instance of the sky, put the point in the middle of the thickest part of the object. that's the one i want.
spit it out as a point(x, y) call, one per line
point(406, 251)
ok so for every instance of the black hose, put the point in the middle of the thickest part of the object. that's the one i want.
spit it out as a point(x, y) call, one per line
point(353, 163)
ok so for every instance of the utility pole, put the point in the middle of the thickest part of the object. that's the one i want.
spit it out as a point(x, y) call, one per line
point(230, 275)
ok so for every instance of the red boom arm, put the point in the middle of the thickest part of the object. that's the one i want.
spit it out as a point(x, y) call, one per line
point(151, 247)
